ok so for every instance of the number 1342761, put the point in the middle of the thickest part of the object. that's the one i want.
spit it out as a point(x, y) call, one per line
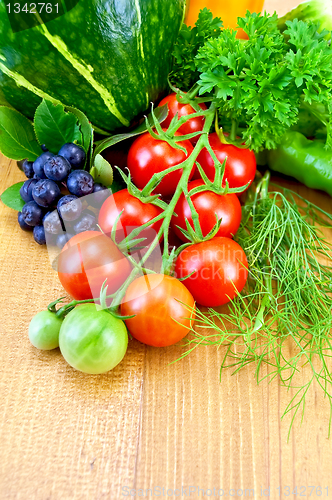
point(32, 8)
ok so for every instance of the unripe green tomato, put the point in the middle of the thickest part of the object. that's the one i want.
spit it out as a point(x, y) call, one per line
point(44, 330)
point(91, 340)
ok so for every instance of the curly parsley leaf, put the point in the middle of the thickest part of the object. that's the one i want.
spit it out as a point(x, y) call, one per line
point(184, 73)
point(328, 144)
point(310, 60)
point(263, 80)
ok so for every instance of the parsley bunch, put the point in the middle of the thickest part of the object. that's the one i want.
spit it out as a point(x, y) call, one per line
point(262, 82)
point(185, 73)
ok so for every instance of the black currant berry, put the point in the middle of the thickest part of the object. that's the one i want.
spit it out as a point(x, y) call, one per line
point(52, 223)
point(32, 214)
point(80, 183)
point(62, 239)
point(86, 223)
point(39, 235)
point(70, 207)
point(57, 168)
point(26, 189)
point(46, 192)
point(27, 167)
point(38, 164)
point(74, 154)
point(23, 225)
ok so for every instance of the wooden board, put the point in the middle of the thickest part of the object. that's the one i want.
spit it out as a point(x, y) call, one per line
point(148, 423)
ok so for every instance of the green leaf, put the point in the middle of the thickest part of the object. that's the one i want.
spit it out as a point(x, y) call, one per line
point(17, 138)
point(12, 198)
point(100, 131)
point(102, 171)
point(54, 127)
point(184, 73)
point(160, 114)
point(84, 125)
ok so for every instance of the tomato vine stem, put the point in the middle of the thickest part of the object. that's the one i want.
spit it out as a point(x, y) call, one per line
point(147, 195)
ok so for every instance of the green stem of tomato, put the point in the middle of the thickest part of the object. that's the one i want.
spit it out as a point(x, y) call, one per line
point(182, 187)
point(64, 310)
point(187, 165)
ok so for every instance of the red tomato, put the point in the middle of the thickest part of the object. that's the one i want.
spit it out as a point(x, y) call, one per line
point(160, 317)
point(148, 156)
point(208, 204)
point(86, 260)
point(221, 270)
point(134, 214)
point(192, 125)
point(240, 165)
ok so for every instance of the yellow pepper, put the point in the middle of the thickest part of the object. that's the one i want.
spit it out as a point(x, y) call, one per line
point(228, 10)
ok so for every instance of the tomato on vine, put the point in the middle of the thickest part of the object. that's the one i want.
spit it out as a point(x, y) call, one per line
point(209, 207)
point(219, 267)
point(44, 330)
point(92, 340)
point(134, 214)
point(87, 260)
point(240, 165)
point(163, 307)
point(148, 156)
point(195, 124)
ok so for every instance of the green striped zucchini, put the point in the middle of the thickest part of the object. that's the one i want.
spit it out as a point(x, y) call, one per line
point(109, 58)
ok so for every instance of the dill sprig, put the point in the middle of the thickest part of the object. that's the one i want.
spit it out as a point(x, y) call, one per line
point(283, 317)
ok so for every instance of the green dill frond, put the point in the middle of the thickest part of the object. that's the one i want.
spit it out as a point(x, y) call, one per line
point(283, 317)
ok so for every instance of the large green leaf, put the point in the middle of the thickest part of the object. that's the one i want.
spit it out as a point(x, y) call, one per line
point(84, 125)
point(17, 138)
point(54, 126)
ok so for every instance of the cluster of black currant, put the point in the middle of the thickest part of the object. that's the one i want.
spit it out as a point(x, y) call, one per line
point(53, 209)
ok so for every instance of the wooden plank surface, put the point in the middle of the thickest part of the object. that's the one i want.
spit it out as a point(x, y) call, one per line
point(147, 424)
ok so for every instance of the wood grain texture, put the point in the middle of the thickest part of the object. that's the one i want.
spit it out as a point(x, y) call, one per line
point(64, 435)
point(148, 423)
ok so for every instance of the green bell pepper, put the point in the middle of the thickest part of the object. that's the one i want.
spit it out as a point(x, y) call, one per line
point(305, 160)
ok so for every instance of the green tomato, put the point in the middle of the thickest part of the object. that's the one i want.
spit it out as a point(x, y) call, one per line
point(44, 330)
point(92, 340)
